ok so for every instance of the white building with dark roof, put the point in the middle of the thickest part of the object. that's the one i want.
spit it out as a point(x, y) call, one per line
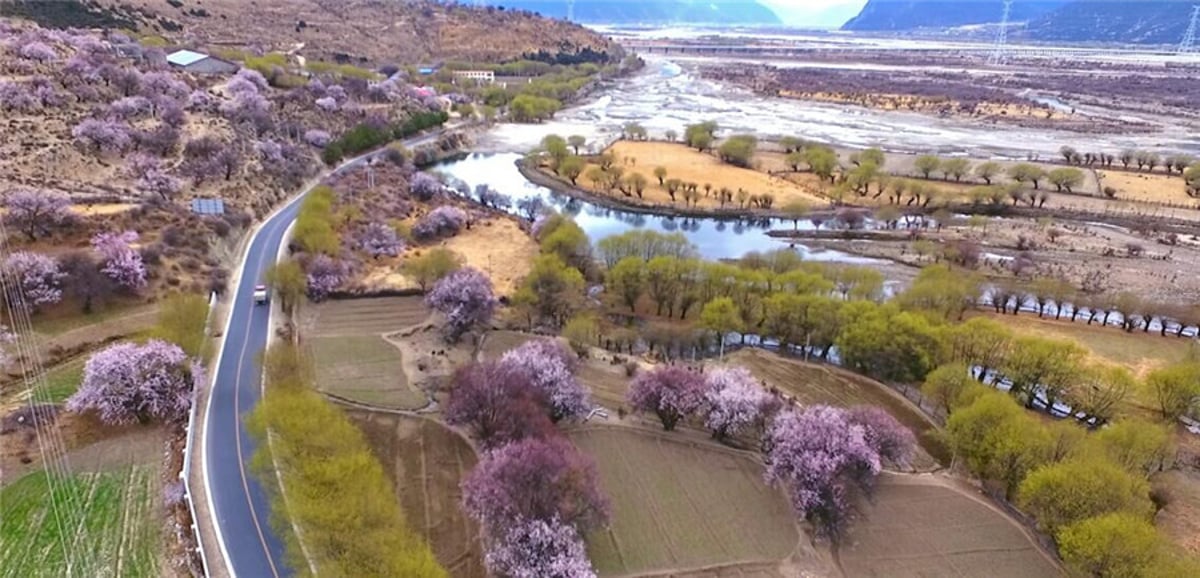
point(200, 63)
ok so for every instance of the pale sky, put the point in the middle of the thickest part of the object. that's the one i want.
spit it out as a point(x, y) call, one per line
point(815, 12)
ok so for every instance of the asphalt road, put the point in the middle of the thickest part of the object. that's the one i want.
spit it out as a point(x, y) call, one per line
point(240, 507)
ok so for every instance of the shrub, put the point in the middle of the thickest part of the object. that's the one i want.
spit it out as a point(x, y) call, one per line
point(443, 221)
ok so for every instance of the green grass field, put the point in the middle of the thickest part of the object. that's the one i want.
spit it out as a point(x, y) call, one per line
point(64, 380)
point(96, 525)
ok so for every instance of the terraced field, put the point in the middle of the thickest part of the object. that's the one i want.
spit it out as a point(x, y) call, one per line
point(353, 357)
point(681, 505)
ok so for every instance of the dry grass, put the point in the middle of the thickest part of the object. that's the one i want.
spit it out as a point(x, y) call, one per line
point(426, 462)
point(107, 209)
point(1138, 351)
point(680, 504)
point(927, 525)
point(498, 342)
point(811, 383)
point(689, 165)
point(1157, 188)
point(496, 246)
point(500, 249)
point(908, 102)
point(1180, 519)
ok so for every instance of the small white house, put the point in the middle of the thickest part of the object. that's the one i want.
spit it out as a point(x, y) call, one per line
point(200, 63)
point(476, 75)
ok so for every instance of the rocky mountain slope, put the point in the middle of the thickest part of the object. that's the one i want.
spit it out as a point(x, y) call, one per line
point(911, 14)
point(348, 30)
point(652, 11)
point(1126, 21)
point(1136, 21)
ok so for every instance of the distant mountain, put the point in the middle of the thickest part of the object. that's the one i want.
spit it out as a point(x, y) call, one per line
point(651, 11)
point(1128, 21)
point(911, 14)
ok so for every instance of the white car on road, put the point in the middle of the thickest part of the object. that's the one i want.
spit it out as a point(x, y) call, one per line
point(260, 294)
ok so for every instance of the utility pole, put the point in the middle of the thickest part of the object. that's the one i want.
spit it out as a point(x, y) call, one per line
point(997, 56)
point(1188, 45)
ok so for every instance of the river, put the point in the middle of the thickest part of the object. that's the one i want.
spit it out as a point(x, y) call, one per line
point(668, 94)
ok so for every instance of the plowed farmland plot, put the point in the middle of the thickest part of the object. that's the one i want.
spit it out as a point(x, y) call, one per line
point(426, 462)
point(354, 360)
point(87, 524)
point(926, 526)
point(679, 505)
point(810, 383)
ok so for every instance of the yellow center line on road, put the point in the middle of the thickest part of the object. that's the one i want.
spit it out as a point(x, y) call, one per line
point(237, 409)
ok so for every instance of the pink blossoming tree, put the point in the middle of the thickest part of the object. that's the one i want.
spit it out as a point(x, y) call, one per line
point(37, 212)
point(549, 367)
point(540, 549)
point(465, 298)
point(733, 401)
point(38, 280)
point(121, 262)
point(815, 453)
point(541, 479)
point(130, 383)
point(670, 392)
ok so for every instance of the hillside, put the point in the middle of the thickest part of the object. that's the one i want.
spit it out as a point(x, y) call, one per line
point(1136, 22)
point(652, 11)
point(911, 14)
point(1126, 21)
point(350, 30)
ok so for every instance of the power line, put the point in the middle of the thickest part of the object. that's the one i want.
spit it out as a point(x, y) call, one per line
point(997, 56)
point(1188, 44)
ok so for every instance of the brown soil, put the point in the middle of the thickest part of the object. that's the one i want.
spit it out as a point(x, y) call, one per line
point(1180, 519)
point(89, 446)
point(682, 504)
point(1163, 273)
point(426, 462)
point(931, 525)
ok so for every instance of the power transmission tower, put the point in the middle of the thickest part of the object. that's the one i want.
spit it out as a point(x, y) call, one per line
point(997, 56)
point(1188, 44)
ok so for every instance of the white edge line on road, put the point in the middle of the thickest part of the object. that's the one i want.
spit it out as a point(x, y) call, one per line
point(262, 384)
point(212, 509)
